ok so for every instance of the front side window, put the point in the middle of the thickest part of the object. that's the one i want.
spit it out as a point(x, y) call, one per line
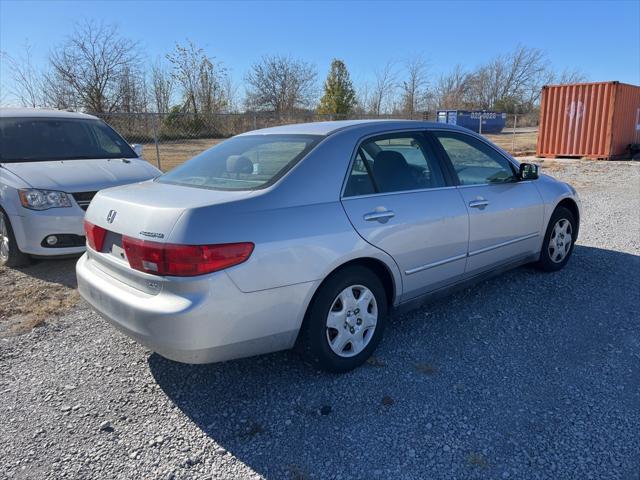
point(243, 162)
point(475, 162)
point(42, 139)
point(393, 163)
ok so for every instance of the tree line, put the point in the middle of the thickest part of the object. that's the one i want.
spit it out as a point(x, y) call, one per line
point(99, 70)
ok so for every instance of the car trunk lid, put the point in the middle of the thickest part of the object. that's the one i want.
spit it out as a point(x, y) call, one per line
point(145, 211)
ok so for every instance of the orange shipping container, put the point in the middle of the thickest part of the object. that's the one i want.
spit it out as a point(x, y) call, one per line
point(593, 120)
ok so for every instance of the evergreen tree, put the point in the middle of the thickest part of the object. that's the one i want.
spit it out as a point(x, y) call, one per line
point(339, 96)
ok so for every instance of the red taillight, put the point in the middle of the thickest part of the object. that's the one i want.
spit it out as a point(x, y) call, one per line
point(95, 235)
point(183, 260)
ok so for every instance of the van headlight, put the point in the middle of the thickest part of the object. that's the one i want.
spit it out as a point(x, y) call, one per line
point(36, 199)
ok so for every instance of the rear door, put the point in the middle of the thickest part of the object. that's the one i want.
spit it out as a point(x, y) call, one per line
point(397, 199)
point(505, 215)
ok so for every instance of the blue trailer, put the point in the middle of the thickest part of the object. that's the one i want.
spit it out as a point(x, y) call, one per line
point(492, 122)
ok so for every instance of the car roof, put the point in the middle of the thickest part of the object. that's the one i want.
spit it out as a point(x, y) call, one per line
point(41, 113)
point(367, 126)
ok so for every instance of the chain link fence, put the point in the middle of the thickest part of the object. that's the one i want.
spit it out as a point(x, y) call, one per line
point(519, 135)
point(170, 139)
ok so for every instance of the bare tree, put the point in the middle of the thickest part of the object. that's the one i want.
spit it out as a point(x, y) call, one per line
point(414, 88)
point(133, 92)
point(383, 89)
point(27, 81)
point(569, 76)
point(185, 61)
point(231, 93)
point(57, 93)
point(200, 77)
point(450, 89)
point(162, 84)
point(4, 95)
point(93, 63)
point(281, 84)
point(514, 78)
point(210, 88)
point(363, 98)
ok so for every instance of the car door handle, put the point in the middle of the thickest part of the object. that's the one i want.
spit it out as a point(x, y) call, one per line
point(382, 216)
point(478, 203)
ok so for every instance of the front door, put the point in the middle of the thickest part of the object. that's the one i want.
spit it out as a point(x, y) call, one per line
point(397, 199)
point(505, 215)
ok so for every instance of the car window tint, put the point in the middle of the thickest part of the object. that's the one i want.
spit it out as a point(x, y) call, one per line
point(271, 157)
point(42, 139)
point(359, 182)
point(475, 162)
point(245, 162)
point(392, 164)
point(107, 144)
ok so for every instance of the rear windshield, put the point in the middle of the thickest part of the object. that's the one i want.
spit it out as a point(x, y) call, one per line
point(41, 139)
point(243, 163)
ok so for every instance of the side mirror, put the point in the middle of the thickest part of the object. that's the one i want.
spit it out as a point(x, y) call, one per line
point(528, 171)
point(137, 148)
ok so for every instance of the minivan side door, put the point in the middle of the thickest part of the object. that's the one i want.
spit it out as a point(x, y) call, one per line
point(505, 214)
point(397, 199)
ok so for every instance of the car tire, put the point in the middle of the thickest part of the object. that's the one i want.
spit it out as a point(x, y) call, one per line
point(337, 335)
point(559, 241)
point(10, 254)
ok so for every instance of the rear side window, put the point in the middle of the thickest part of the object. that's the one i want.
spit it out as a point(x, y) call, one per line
point(42, 139)
point(243, 163)
point(393, 163)
point(475, 162)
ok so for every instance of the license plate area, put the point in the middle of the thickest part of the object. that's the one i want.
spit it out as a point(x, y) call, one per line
point(118, 252)
point(113, 247)
point(119, 269)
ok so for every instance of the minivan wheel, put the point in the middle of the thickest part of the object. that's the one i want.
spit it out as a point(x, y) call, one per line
point(345, 321)
point(10, 254)
point(559, 241)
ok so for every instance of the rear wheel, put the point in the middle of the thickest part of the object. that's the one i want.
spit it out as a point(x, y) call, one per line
point(10, 254)
point(345, 321)
point(559, 241)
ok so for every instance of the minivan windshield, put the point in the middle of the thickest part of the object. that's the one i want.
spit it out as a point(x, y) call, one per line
point(243, 163)
point(42, 139)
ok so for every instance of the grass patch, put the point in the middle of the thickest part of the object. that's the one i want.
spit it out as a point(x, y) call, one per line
point(35, 294)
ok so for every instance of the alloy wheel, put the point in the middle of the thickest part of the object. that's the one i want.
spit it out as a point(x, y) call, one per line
point(4, 239)
point(352, 321)
point(560, 240)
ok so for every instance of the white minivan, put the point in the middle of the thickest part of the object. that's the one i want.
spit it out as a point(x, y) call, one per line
point(52, 163)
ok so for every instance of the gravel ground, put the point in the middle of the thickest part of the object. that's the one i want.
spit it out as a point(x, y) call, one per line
point(527, 375)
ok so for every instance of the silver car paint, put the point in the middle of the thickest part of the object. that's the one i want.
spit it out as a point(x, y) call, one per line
point(302, 230)
point(508, 226)
point(427, 236)
point(82, 175)
point(179, 321)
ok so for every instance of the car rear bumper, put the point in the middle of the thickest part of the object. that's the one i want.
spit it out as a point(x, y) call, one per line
point(30, 231)
point(199, 319)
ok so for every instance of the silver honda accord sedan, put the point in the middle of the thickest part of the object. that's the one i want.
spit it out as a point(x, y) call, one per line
point(311, 235)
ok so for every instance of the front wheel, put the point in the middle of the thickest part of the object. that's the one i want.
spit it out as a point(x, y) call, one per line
point(10, 254)
point(559, 241)
point(345, 321)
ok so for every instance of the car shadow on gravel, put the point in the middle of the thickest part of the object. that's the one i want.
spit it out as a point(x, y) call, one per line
point(59, 270)
point(523, 375)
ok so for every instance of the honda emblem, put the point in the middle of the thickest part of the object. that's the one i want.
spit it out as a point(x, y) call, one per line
point(111, 216)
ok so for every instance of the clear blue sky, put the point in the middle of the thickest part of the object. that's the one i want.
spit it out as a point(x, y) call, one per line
point(600, 38)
